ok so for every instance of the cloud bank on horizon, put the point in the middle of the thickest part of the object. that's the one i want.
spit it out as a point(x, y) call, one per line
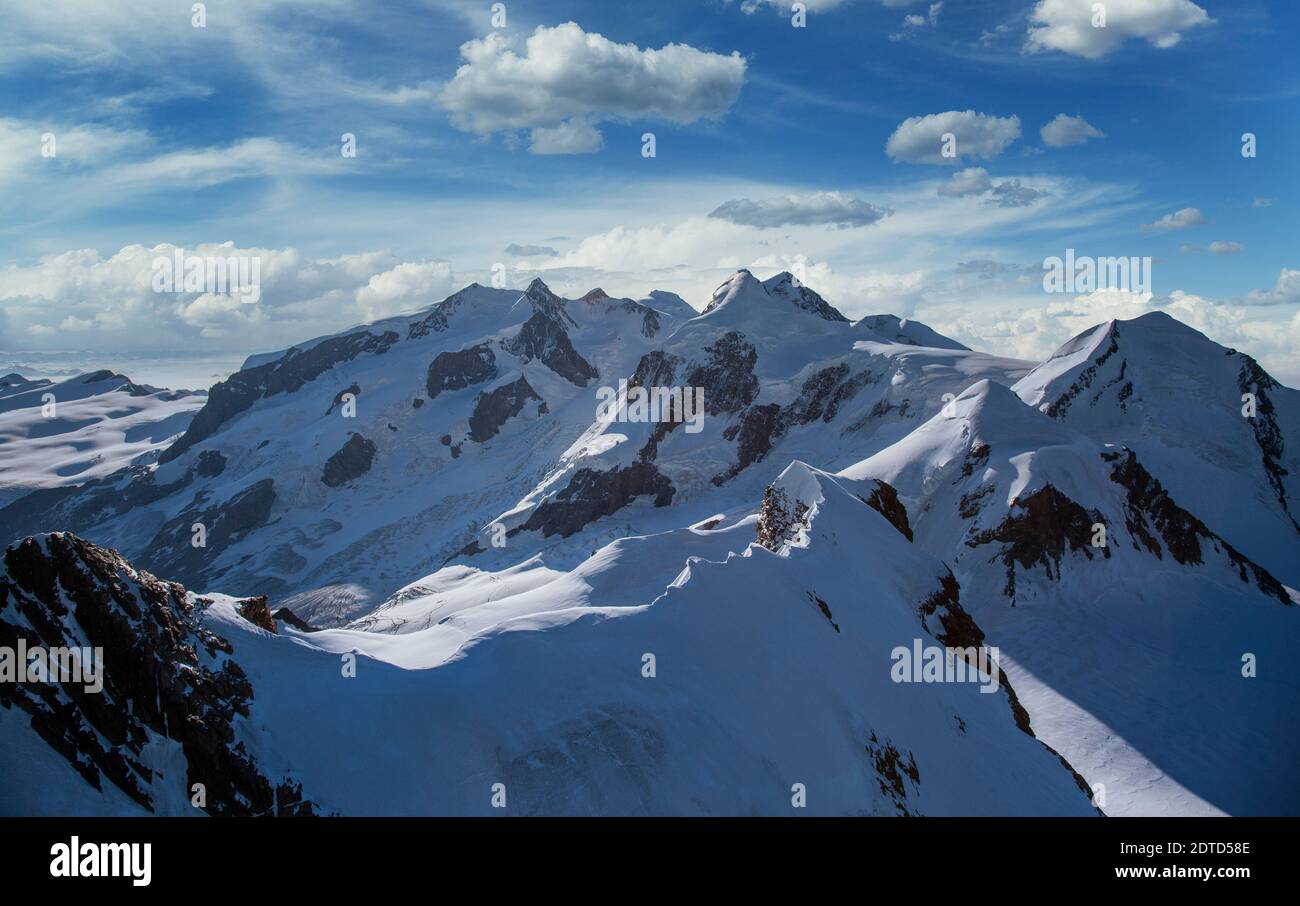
point(884, 146)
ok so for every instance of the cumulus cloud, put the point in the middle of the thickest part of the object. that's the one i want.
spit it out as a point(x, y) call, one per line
point(818, 209)
point(1068, 25)
point(919, 139)
point(1285, 292)
point(1065, 131)
point(1183, 219)
point(78, 296)
point(976, 181)
point(971, 181)
point(568, 79)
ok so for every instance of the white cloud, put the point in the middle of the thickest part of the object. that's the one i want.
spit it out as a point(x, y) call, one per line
point(110, 301)
point(566, 79)
point(1225, 247)
point(1068, 25)
point(1263, 202)
point(919, 139)
point(1285, 292)
point(974, 181)
point(1065, 131)
point(818, 209)
point(1183, 219)
point(970, 181)
point(575, 136)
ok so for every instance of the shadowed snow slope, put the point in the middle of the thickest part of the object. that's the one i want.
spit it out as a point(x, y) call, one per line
point(1176, 398)
point(97, 424)
point(1129, 654)
point(653, 680)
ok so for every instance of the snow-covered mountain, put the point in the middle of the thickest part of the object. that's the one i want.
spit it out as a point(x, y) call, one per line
point(329, 474)
point(340, 467)
point(1125, 618)
point(1117, 521)
point(671, 674)
point(59, 433)
point(1221, 433)
point(782, 375)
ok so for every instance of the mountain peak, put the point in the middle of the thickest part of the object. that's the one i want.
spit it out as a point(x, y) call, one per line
point(741, 285)
point(786, 286)
point(595, 295)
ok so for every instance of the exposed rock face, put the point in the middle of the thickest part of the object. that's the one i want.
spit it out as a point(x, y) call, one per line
point(163, 673)
point(754, 435)
point(761, 426)
point(354, 390)
point(891, 769)
point(779, 518)
point(498, 406)
point(655, 369)
point(1037, 532)
point(286, 374)
point(884, 500)
point(590, 495)
point(1153, 518)
point(458, 370)
point(1268, 434)
point(728, 376)
point(285, 615)
point(350, 462)
point(540, 297)
point(211, 464)
point(258, 612)
point(544, 338)
point(1057, 407)
point(172, 551)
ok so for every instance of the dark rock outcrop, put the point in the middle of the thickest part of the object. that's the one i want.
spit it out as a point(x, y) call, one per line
point(1268, 434)
point(1038, 531)
point(286, 374)
point(884, 500)
point(590, 494)
point(458, 370)
point(1158, 524)
point(285, 615)
point(1056, 409)
point(172, 552)
point(779, 518)
point(258, 612)
point(498, 406)
point(163, 675)
point(728, 375)
point(349, 462)
point(544, 338)
point(353, 389)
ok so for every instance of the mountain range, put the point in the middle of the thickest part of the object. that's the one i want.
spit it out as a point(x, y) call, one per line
point(426, 566)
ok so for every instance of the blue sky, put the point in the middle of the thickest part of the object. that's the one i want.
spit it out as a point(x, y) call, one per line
point(168, 134)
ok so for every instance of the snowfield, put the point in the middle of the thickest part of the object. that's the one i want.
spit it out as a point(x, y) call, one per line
point(499, 587)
